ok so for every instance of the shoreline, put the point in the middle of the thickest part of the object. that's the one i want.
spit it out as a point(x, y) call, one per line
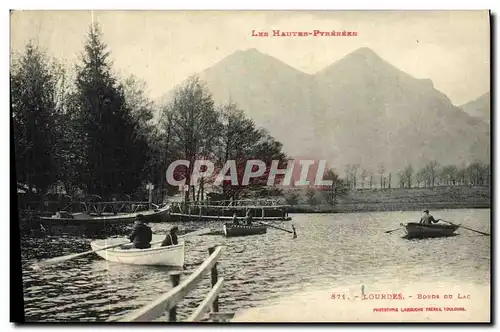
point(387, 207)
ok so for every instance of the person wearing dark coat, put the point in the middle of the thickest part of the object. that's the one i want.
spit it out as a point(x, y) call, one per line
point(249, 218)
point(142, 235)
point(235, 220)
point(171, 238)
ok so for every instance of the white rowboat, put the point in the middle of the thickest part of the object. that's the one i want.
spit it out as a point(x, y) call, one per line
point(156, 255)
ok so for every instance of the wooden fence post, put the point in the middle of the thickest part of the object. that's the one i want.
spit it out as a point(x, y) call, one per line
point(214, 278)
point(175, 278)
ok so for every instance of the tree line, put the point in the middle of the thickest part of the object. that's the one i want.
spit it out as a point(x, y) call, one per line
point(431, 175)
point(88, 131)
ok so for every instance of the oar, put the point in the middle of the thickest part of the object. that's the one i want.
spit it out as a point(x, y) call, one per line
point(392, 230)
point(60, 259)
point(470, 229)
point(282, 229)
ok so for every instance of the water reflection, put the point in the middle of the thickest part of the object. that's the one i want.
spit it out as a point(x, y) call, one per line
point(330, 251)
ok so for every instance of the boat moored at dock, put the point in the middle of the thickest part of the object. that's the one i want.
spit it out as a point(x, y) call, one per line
point(88, 222)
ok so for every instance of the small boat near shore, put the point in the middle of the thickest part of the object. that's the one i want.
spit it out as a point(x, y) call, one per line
point(417, 230)
point(156, 255)
point(232, 230)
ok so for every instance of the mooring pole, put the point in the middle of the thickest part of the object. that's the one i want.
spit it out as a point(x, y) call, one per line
point(214, 277)
point(175, 278)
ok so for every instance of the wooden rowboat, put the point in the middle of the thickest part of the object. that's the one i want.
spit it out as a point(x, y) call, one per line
point(231, 230)
point(83, 223)
point(156, 255)
point(157, 215)
point(417, 230)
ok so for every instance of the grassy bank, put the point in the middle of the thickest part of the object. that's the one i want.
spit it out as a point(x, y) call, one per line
point(414, 199)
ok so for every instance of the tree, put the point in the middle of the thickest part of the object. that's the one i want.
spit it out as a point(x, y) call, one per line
point(141, 110)
point(449, 174)
point(311, 196)
point(420, 177)
point(389, 180)
point(408, 174)
point(194, 131)
point(477, 173)
point(292, 197)
point(402, 179)
point(35, 118)
point(347, 181)
point(109, 138)
point(363, 176)
point(462, 176)
point(381, 171)
point(432, 172)
point(241, 141)
point(335, 190)
point(165, 151)
point(354, 176)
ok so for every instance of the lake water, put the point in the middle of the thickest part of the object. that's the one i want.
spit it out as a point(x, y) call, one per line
point(332, 251)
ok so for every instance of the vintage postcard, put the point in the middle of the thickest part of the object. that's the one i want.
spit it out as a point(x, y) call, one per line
point(252, 166)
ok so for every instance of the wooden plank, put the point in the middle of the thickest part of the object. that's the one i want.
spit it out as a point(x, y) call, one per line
point(167, 301)
point(207, 302)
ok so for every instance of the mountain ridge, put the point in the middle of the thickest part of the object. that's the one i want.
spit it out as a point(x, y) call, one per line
point(334, 112)
point(480, 107)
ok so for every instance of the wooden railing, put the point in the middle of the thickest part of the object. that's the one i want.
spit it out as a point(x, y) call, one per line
point(168, 302)
point(257, 202)
point(113, 207)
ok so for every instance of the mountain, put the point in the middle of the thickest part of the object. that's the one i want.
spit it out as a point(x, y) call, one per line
point(479, 108)
point(359, 110)
point(275, 95)
point(373, 112)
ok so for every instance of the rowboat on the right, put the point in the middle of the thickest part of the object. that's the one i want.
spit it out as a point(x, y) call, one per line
point(417, 230)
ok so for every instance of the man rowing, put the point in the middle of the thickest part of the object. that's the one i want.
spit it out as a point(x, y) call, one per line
point(249, 217)
point(141, 235)
point(171, 238)
point(428, 219)
point(235, 220)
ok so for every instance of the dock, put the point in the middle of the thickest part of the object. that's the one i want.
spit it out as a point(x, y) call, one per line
point(166, 304)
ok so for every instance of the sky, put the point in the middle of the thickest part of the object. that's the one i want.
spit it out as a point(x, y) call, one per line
point(165, 47)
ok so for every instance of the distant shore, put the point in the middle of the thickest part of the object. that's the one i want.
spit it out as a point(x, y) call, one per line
point(402, 199)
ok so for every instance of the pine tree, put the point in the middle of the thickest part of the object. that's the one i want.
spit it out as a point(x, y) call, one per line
point(33, 106)
point(112, 148)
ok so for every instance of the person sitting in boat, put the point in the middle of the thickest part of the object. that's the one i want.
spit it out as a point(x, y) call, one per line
point(249, 217)
point(171, 238)
point(428, 219)
point(235, 220)
point(142, 235)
